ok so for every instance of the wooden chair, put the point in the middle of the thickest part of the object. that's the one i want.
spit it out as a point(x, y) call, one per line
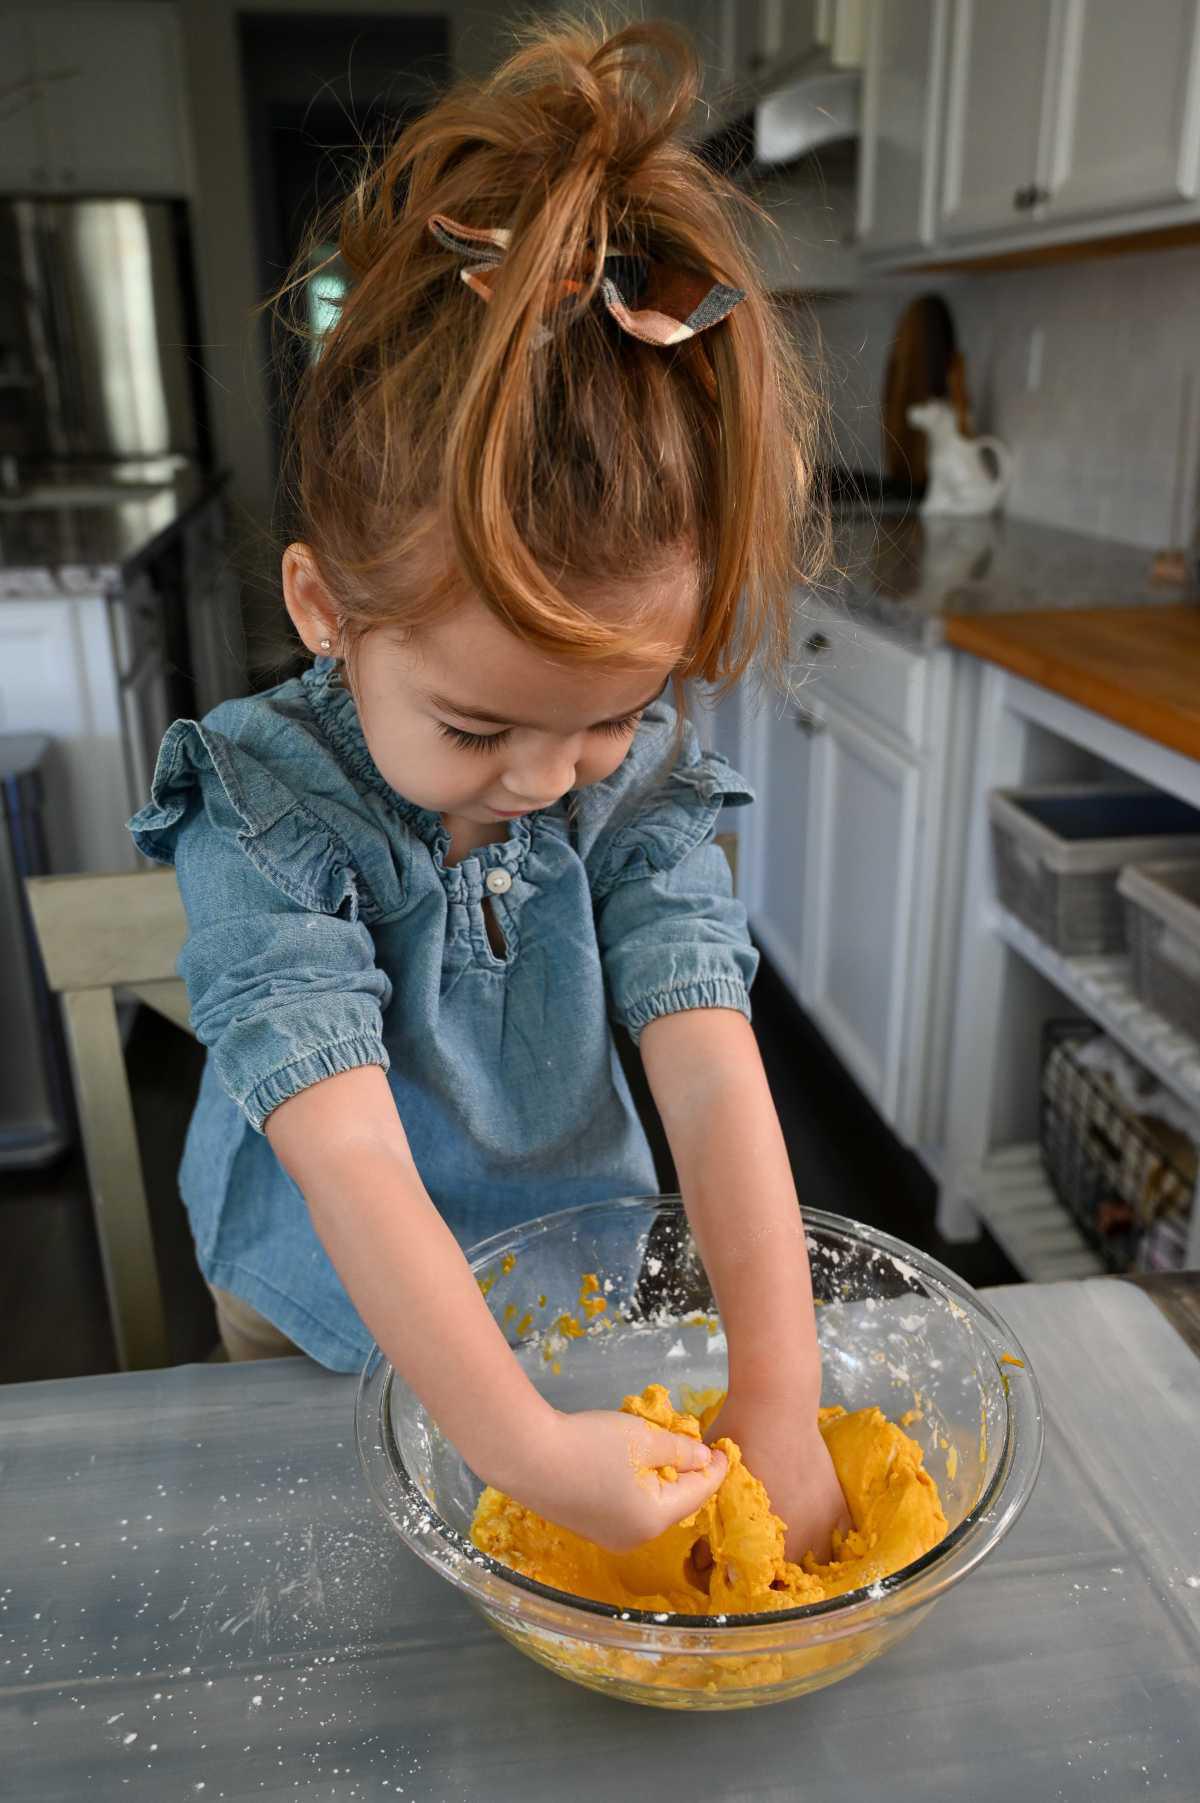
point(100, 935)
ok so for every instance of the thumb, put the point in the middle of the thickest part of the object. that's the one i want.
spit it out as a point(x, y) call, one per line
point(683, 1452)
point(692, 1489)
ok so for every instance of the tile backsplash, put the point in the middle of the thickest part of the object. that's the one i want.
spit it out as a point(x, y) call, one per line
point(1089, 371)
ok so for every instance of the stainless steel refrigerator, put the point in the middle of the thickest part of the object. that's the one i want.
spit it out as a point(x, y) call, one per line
point(97, 329)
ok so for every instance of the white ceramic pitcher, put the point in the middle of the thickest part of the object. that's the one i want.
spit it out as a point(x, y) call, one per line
point(960, 481)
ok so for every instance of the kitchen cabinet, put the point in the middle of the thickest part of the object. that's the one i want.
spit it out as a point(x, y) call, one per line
point(791, 31)
point(904, 58)
point(724, 34)
point(94, 100)
point(1124, 124)
point(999, 56)
point(750, 48)
point(785, 804)
point(786, 31)
point(1041, 122)
point(852, 855)
point(1058, 112)
point(862, 824)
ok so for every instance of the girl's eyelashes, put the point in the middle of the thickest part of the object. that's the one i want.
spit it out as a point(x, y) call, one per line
point(472, 741)
point(487, 741)
point(617, 729)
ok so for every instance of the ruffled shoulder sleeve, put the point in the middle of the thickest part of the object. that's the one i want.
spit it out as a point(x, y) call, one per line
point(658, 807)
point(293, 834)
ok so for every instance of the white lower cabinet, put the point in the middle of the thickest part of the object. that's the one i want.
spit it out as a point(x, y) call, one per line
point(862, 820)
point(852, 858)
point(784, 810)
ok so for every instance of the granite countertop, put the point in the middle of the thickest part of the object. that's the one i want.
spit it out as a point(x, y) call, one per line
point(909, 576)
point(52, 551)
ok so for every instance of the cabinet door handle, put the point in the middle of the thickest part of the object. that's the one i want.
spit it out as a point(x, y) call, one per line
point(1025, 199)
point(808, 724)
point(815, 643)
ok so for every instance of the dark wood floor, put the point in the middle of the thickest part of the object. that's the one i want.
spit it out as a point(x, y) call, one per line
point(51, 1287)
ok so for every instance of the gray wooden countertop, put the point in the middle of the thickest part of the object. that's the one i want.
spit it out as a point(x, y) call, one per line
point(197, 1602)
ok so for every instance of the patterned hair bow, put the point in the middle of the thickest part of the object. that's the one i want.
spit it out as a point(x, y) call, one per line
point(659, 303)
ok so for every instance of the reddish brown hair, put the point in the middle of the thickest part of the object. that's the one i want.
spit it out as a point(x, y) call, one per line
point(528, 461)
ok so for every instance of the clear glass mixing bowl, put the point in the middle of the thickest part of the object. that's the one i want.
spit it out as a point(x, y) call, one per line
point(898, 1330)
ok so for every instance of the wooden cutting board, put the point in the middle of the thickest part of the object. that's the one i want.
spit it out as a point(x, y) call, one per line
point(1139, 666)
point(924, 363)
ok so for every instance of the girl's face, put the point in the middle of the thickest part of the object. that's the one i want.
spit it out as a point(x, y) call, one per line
point(467, 720)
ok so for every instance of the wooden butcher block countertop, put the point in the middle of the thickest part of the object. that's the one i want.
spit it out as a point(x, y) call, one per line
point(1139, 666)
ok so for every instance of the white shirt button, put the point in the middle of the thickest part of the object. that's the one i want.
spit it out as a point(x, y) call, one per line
point(498, 882)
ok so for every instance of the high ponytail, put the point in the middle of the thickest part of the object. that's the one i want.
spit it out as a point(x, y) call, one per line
point(530, 443)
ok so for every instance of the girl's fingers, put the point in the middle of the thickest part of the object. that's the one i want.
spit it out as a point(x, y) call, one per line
point(685, 1453)
point(692, 1489)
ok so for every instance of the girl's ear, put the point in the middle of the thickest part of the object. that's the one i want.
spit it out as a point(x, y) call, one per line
point(308, 602)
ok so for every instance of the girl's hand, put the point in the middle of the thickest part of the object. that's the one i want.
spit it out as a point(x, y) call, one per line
point(795, 1469)
point(607, 1476)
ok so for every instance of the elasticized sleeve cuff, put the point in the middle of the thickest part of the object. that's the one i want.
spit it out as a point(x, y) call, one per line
point(707, 992)
point(312, 1066)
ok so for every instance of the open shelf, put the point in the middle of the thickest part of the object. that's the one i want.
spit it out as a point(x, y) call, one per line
point(1025, 1217)
point(1101, 989)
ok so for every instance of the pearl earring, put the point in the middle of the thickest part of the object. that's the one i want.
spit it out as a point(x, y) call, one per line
point(326, 644)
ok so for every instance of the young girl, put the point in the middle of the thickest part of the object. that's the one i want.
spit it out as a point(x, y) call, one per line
point(548, 466)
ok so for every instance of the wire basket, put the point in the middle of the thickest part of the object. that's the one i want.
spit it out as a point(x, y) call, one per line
point(1127, 1179)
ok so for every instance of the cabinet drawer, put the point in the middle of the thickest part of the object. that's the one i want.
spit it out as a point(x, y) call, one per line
point(879, 680)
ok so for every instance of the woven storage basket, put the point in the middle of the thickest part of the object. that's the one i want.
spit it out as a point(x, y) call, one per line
point(1119, 1174)
point(1059, 852)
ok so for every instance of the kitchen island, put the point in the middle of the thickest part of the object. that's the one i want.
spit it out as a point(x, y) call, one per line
point(198, 1602)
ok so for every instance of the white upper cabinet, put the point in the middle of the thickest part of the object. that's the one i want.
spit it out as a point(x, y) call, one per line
point(995, 100)
point(787, 32)
point(904, 59)
point(1064, 118)
point(1125, 119)
point(102, 104)
point(751, 48)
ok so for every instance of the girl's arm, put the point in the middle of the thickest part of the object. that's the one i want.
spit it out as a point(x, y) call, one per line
point(342, 1142)
point(708, 1082)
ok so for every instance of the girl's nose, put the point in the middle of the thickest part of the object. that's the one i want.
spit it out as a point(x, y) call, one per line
point(542, 776)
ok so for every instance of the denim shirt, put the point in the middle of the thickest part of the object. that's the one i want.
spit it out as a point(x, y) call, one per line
point(327, 931)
